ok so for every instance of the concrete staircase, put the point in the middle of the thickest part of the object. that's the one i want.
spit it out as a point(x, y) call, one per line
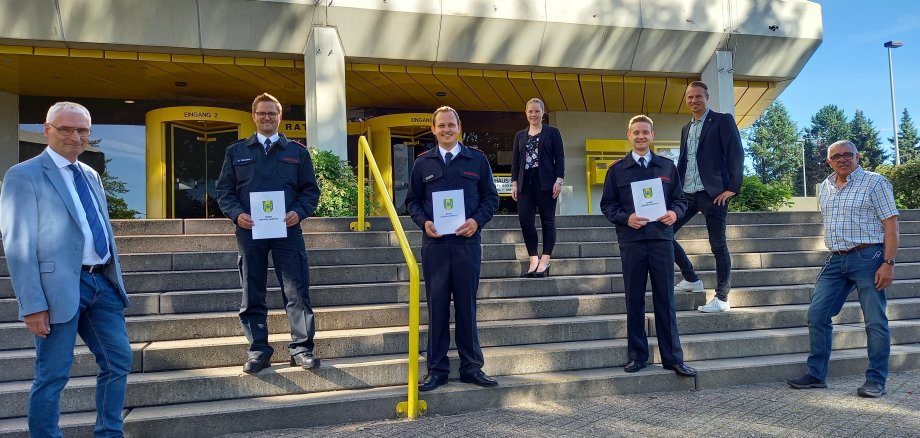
point(559, 337)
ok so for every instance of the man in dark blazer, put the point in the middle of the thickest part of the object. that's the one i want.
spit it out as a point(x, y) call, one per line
point(266, 162)
point(645, 247)
point(711, 166)
point(60, 250)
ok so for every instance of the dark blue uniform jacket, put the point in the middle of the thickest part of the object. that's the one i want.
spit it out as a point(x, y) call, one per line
point(470, 171)
point(617, 200)
point(286, 167)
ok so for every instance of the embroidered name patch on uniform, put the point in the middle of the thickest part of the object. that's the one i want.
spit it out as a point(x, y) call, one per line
point(429, 177)
point(290, 160)
point(242, 160)
point(473, 174)
point(665, 179)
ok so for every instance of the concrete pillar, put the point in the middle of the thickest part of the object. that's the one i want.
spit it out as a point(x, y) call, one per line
point(9, 132)
point(324, 65)
point(720, 78)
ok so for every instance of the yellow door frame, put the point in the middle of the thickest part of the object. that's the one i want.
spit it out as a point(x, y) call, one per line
point(156, 122)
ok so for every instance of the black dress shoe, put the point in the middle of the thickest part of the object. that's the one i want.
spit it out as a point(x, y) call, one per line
point(305, 360)
point(682, 370)
point(479, 378)
point(431, 382)
point(633, 366)
point(542, 274)
point(255, 364)
point(528, 274)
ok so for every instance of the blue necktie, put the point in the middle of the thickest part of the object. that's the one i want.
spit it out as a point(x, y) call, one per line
point(268, 144)
point(92, 216)
point(447, 157)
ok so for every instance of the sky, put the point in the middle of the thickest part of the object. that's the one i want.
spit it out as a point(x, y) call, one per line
point(850, 68)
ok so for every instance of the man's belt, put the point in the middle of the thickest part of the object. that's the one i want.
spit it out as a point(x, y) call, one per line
point(855, 248)
point(95, 269)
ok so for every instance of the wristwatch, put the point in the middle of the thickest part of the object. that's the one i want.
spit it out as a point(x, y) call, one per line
point(889, 262)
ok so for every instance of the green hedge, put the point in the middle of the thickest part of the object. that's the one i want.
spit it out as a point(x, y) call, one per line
point(757, 196)
point(338, 186)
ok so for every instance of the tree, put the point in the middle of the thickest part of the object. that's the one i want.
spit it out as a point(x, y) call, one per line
point(908, 139)
point(905, 181)
point(113, 187)
point(828, 125)
point(865, 137)
point(773, 146)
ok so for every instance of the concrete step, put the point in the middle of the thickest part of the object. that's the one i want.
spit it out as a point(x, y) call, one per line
point(230, 350)
point(150, 389)
point(378, 223)
point(224, 300)
point(215, 418)
point(348, 239)
point(789, 305)
point(567, 253)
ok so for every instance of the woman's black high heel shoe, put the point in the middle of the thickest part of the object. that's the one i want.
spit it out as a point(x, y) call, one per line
point(542, 274)
point(529, 274)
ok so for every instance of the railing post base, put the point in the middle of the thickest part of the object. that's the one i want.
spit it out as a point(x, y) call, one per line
point(356, 226)
point(402, 409)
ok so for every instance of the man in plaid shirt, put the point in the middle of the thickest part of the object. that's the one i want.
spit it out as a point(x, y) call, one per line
point(861, 230)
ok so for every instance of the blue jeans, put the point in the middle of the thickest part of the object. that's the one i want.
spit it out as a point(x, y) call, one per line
point(716, 220)
point(840, 274)
point(100, 321)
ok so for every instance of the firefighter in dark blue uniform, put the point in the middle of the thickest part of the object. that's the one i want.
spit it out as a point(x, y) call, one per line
point(646, 249)
point(451, 259)
point(267, 161)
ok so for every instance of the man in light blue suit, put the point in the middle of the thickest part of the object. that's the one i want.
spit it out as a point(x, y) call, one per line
point(64, 267)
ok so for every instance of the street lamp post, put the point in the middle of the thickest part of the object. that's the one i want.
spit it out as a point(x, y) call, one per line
point(894, 116)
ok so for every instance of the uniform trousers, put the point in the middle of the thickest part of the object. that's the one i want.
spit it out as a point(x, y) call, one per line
point(643, 260)
point(293, 271)
point(452, 272)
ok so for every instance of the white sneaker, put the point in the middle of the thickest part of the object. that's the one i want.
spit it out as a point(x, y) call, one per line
point(715, 306)
point(689, 286)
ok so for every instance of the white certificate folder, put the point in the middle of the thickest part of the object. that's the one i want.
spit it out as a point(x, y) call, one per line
point(648, 199)
point(268, 212)
point(448, 210)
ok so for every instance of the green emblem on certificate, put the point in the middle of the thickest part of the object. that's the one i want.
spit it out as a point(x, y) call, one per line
point(448, 203)
point(268, 206)
point(647, 192)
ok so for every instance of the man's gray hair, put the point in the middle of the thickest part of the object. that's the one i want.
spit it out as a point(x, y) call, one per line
point(60, 107)
point(842, 143)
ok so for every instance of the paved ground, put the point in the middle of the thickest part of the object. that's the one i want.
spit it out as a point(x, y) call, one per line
point(769, 409)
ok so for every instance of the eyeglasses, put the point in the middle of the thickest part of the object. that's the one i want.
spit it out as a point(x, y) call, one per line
point(269, 115)
point(846, 156)
point(68, 131)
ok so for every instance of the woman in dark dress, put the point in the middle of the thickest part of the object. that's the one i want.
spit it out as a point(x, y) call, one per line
point(537, 170)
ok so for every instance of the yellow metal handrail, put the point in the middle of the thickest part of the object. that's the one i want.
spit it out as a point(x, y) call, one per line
point(413, 407)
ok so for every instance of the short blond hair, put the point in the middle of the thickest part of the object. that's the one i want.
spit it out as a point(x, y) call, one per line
point(444, 109)
point(265, 97)
point(641, 118)
point(536, 101)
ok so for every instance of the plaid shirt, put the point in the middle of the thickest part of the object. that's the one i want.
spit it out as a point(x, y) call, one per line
point(692, 181)
point(854, 213)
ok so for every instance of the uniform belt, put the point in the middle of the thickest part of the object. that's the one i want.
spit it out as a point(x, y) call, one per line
point(95, 269)
point(855, 248)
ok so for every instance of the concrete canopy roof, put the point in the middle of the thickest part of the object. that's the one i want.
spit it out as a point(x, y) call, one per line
point(771, 40)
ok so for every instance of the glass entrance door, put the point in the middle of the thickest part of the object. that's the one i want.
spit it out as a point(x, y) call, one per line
point(194, 156)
